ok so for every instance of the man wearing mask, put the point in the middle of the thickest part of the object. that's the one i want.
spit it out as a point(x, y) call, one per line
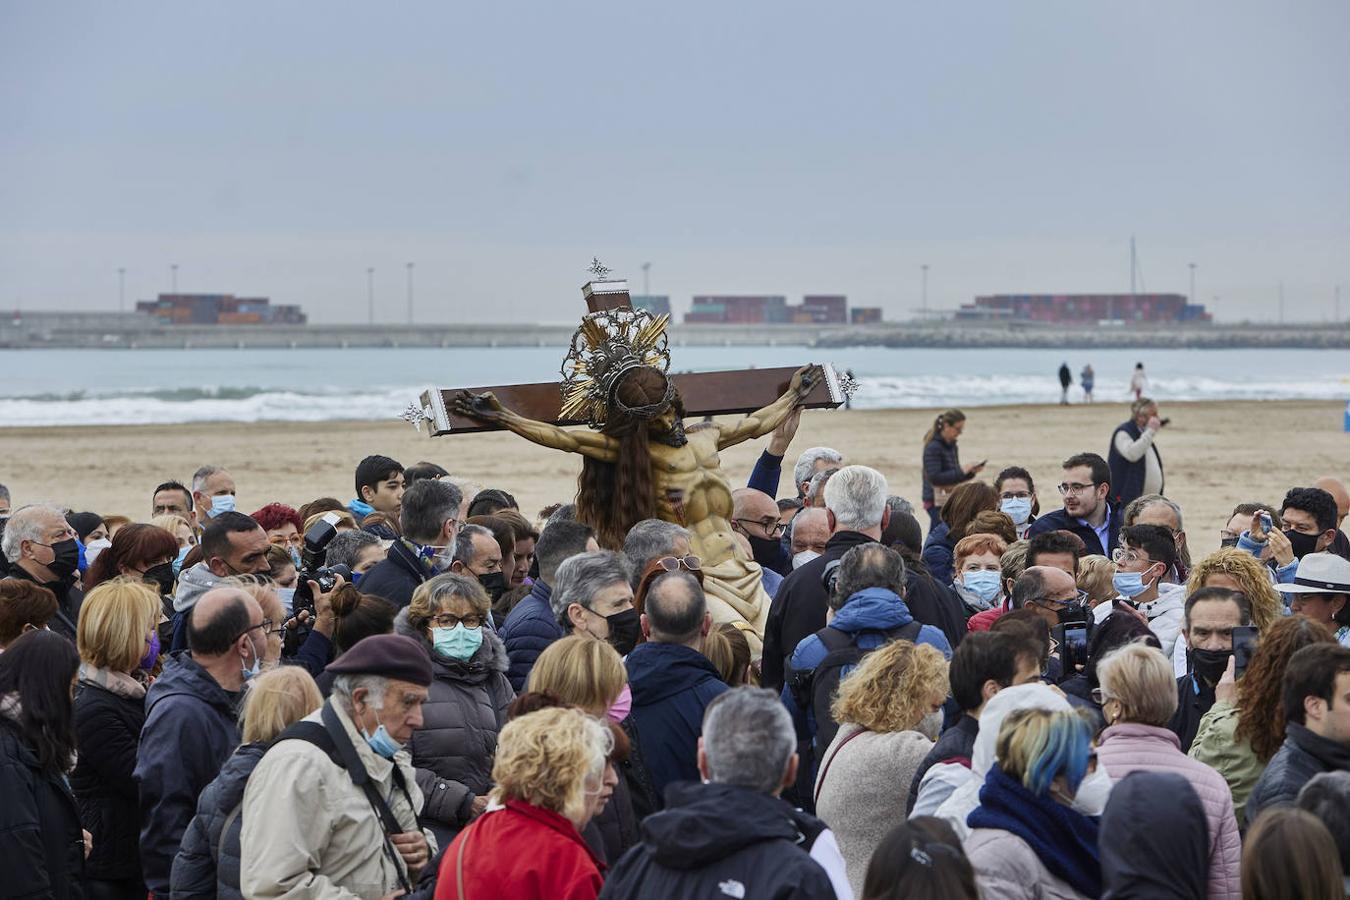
point(810, 532)
point(1309, 518)
point(1136, 465)
point(213, 493)
point(429, 517)
point(1052, 594)
point(1088, 509)
point(232, 544)
point(1017, 498)
point(41, 547)
point(1211, 614)
point(755, 515)
point(1147, 553)
point(478, 555)
point(1321, 591)
point(593, 596)
point(190, 723)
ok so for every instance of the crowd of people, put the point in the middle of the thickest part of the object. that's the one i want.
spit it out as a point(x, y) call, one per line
point(424, 690)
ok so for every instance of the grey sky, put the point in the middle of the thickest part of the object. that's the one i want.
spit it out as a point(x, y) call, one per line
point(281, 148)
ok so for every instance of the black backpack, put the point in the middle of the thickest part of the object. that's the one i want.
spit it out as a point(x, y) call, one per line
point(815, 689)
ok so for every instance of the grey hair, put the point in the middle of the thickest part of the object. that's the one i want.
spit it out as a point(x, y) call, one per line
point(199, 477)
point(648, 540)
point(580, 576)
point(464, 542)
point(346, 546)
point(806, 463)
point(427, 506)
point(447, 586)
point(346, 685)
point(898, 505)
point(868, 566)
point(4, 493)
point(857, 497)
point(1029, 586)
point(1138, 505)
point(748, 739)
point(818, 482)
point(22, 526)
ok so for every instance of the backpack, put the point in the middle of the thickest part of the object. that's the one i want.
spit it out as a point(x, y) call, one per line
point(815, 689)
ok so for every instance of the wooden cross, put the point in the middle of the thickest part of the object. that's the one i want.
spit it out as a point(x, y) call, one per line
point(704, 393)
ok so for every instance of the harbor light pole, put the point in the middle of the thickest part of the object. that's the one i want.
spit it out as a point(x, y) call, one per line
point(924, 291)
point(1192, 297)
point(370, 294)
point(173, 278)
point(121, 290)
point(646, 279)
point(410, 293)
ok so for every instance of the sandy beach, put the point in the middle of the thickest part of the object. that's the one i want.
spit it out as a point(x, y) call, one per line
point(1215, 454)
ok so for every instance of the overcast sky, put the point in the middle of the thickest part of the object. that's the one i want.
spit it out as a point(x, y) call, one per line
point(281, 149)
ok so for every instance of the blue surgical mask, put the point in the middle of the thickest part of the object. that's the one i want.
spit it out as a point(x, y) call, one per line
point(1130, 584)
point(1017, 509)
point(221, 504)
point(458, 642)
point(295, 558)
point(356, 578)
point(983, 584)
point(287, 596)
point(182, 555)
point(382, 743)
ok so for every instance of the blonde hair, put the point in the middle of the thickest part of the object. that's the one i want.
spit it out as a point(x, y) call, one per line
point(728, 650)
point(171, 523)
point(581, 671)
point(1252, 578)
point(276, 700)
point(115, 621)
point(890, 690)
point(544, 758)
point(1095, 575)
point(1142, 681)
point(430, 595)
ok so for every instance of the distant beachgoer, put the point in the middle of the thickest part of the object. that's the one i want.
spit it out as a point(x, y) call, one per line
point(1088, 378)
point(1138, 381)
point(1065, 382)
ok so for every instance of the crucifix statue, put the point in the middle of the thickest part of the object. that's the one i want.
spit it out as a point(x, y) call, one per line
point(639, 462)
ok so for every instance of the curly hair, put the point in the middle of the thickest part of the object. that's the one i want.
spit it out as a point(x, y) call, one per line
point(1095, 575)
point(1259, 693)
point(544, 758)
point(1252, 579)
point(274, 515)
point(890, 690)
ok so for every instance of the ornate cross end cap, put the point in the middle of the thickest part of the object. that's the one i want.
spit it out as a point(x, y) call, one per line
point(848, 385)
point(415, 415)
point(599, 270)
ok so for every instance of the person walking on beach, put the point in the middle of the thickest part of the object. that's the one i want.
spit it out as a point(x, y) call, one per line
point(1065, 382)
point(942, 470)
point(1138, 381)
point(1136, 465)
point(1087, 378)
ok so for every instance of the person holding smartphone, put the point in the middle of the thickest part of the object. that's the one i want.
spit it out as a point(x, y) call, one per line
point(1211, 616)
point(1136, 465)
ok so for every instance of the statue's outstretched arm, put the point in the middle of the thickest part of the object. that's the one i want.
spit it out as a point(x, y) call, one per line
point(487, 408)
point(761, 422)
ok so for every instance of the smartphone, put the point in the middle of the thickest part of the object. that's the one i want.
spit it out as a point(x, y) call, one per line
point(1163, 422)
point(982, 462)
point(1073, 641)
point(1266, 525)
point(1244, 645)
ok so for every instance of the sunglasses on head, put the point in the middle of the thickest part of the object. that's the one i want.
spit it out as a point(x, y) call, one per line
point(675, 563)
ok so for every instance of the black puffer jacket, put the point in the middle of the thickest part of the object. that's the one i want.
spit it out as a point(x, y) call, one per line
point(465, 709)
point(718, 840)
point(941, 466)
point(41, 847)
point(208, 841)
point(1302, 755)
point(107, 732)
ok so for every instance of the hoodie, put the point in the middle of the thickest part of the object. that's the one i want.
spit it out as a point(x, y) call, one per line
point(1154, 839)
point(672, 686)
point(719, 840)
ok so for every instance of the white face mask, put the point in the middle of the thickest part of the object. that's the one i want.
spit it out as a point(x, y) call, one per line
point(94, 548)
point(801, 559)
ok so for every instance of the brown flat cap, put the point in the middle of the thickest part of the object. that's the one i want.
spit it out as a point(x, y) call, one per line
point(387, 655)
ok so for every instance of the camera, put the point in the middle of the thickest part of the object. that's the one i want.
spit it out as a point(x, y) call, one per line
point(312, 563)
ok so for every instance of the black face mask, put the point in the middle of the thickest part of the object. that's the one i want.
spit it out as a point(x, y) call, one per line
point(161, 576)
point(66, 559)
point(1209, 664)
point(769, 553)
point(1073, 614)
point(1302, 544)
point(494, 583)
point(624, 631)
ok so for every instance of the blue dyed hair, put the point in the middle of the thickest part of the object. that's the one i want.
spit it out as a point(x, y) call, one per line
point(1037, 746)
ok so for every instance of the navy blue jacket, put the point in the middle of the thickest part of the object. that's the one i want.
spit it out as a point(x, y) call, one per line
point(766, 474)
point(529, 628)
point(672, 686)
point(396, 576)
point(939, 554)
point(941, 466)
point(189, 732)
point(1059, 520)
point(1127, 478)
point(195, 872)
point(41, 848)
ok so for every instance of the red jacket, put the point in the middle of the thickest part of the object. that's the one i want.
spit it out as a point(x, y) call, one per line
point(521, 852)
point(983, 621)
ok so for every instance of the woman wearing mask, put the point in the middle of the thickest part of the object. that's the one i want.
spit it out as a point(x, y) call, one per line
point(1017, 498)
point(1137, 697)
point(118, 647)
point(91, 532)
point(1026, 840)
point(282, 572)
point(1244, 728)
point(138, 551)
point(43, 850)
point(979, 579)
point(551, 768)
point(880, 709)
point(965, 503)
point(179, 528)
point(466, 706)
point(207, 864)
point(942, 470)
point(284, 528)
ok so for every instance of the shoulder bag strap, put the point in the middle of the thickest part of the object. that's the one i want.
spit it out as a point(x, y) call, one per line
point(459, 863)
point(825, 770)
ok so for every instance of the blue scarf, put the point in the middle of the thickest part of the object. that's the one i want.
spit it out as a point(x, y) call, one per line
point(1063, 839)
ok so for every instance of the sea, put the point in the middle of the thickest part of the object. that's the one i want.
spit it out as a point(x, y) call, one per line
point(125, 387)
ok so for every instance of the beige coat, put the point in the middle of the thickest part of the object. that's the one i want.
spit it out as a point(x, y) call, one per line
point(309, 832)
point(1006, 868)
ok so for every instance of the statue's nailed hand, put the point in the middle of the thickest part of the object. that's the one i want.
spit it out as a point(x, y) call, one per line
point(483, 407)
point(805, 379)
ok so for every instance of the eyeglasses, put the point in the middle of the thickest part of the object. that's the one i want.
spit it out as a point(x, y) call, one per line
point(1015, 495)
point(1075, 488)
point(265, 625)
point(1100, 696)
point(1078, 599)
point(675, 563)
point(772, 526)
point(1121, 555)
point(450, 620)
point(458, 525)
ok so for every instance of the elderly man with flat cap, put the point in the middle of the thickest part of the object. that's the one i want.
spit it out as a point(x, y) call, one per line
point(331, 810)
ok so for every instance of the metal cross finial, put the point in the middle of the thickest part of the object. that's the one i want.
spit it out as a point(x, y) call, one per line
point(415, 415)
point(598, 270)
point(848, 385)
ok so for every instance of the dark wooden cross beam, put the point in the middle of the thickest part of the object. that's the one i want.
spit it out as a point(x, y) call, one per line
point(704, 393)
